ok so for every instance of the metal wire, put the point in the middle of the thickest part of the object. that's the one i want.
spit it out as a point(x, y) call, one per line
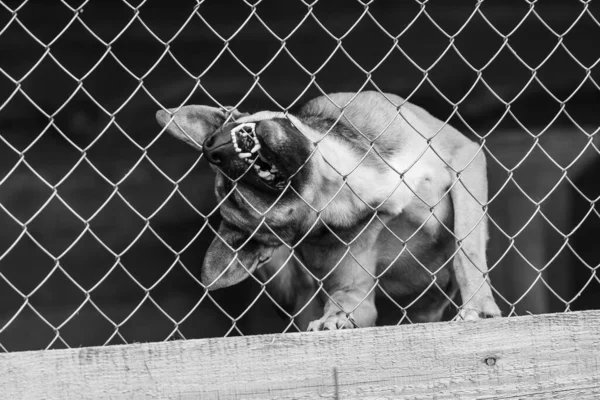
point(89, 293)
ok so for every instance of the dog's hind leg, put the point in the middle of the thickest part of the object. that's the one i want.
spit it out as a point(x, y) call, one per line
point(469, 197)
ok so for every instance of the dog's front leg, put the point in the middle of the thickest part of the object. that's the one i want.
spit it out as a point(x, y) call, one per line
point(350, 296)
point(469, 197)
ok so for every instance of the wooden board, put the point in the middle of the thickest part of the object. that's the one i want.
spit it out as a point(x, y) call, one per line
point(535, 357)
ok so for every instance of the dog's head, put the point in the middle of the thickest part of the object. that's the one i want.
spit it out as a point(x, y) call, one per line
point(262, 163)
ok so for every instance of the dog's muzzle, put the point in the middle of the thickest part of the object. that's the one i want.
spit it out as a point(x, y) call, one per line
point(219, 147)
point(237, 149)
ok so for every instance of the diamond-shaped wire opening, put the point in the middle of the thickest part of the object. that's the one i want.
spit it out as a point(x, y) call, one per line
point(269, 12)
point(578, 44)
point(259, 309)
point(546, 42)
point(23, 194)
point(353, 44)
point(25, 278)
point(148, 243)
point(95, 15)
point(143, 197)
point(137, 64)
point(114, 170)
point(89, 52)
point(17, 39)
point(86, 327)
point(80, 120)
point(505, 22)
point(24, 123)
point(570, 16)
point(85, 191)
point(254, 58)
point(339, 73)
point(310, 58)
point(88, 261)
point(56, 213)
point(212, 14)
point(422, 32)
point(147, 322)
point(297, 81)
point(110, 84)
point(205, 319)
point(116, 225)
point(193, 47)
point(478, 29)
point(27, 331)
point(164, 22)
point(588, 295)
point(461, 11)
point(394, 23)
point(58, 289)
point(338, 25)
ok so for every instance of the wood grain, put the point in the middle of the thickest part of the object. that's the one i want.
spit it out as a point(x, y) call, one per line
point(554, 356)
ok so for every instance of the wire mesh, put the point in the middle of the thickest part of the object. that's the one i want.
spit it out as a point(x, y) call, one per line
point(89, 200)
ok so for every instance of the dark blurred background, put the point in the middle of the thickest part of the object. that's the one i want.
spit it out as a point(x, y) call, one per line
point(97, 245)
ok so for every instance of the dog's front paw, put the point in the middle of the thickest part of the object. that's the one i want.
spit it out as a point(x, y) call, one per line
point(338, 320)
point(479, 309)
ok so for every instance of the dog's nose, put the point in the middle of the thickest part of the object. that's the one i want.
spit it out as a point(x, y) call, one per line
point(218, 147)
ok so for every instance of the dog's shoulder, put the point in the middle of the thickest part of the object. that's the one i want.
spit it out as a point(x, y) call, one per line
point(368, 112)
point(383, 117)
point(353, 104)
point(360, 120)
point(386, 119)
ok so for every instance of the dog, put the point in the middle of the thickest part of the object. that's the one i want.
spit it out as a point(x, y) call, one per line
point(355, 197)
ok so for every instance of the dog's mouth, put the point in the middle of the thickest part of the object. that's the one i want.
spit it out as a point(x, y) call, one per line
point(247, 146)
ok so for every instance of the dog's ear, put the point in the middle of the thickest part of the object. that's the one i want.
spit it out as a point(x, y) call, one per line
point(193, 124)
point(223, 266)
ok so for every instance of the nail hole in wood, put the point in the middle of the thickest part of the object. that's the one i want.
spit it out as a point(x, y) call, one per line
point(491, 361)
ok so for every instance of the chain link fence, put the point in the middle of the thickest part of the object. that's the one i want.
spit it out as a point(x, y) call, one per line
point(106, 218)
